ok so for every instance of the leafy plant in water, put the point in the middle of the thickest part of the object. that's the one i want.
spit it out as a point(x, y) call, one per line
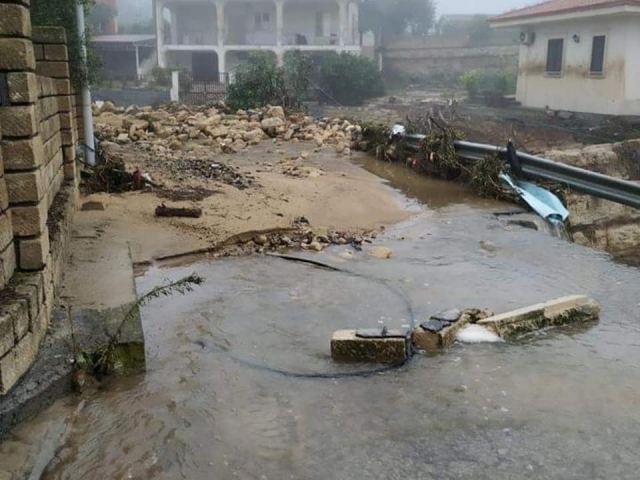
point(100, 361)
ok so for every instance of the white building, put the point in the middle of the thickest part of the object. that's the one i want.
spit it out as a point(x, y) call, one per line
point(579, 55)
point(212, 37)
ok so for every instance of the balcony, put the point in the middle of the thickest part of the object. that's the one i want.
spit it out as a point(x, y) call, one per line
point(324, 25)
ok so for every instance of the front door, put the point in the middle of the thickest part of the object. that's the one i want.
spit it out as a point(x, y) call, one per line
point(204, 66)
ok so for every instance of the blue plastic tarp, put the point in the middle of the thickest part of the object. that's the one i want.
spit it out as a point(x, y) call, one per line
point(541, 200)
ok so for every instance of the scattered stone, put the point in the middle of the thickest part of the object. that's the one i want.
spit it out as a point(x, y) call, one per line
point(564, 115)
point(261, 239)
point(488, 246)
point(275, 112)
point(379, 252)
point(123, 139)
point(316, 246)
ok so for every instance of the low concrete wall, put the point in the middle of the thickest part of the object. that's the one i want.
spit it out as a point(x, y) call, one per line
point(38, 125)
point(132, 96)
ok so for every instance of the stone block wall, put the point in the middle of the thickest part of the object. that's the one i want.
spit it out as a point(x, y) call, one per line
point(39, 134)
point(418, 56)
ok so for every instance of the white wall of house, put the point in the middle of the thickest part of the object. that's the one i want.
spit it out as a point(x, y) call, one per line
point(317, 23)
point(615, 92)
point(196, 25)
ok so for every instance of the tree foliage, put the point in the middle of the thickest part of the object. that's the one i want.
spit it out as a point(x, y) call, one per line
point(393, 17)
point(257, 83)
point(100, 15)
point(62, 13)
point(343, 78)
point(350, 79)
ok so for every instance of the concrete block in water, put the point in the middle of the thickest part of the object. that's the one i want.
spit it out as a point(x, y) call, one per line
point(562, 311)
point(441, 329)
point(348, 346)
point(438, 333)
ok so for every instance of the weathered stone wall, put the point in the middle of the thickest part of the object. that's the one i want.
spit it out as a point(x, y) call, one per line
point(423, 56)
point(600, 223)
point(38, 152)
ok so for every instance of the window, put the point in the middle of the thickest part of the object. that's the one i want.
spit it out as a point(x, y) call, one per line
point(262, 20)
point(555, 50)
point(597, 55)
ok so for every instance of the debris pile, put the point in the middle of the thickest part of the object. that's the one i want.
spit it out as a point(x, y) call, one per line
point(171, 130)
point(186, 167)
point(299, 237)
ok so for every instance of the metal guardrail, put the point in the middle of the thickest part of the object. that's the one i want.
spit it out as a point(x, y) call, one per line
point(581, 180)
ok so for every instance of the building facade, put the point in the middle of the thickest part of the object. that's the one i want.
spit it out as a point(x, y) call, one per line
point(578, 55)
point(211, 38)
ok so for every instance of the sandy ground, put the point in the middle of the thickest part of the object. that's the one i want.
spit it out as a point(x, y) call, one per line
point(325, 188)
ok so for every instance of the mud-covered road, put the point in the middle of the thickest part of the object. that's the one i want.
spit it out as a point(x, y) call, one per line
point(229, 392)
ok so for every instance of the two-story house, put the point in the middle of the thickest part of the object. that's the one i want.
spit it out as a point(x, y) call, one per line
point(212, 37)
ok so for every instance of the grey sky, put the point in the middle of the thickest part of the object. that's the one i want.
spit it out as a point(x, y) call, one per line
point(482, 6)
point(132, 10)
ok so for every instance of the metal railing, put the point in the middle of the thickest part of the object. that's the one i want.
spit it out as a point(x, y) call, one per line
point(579, 179)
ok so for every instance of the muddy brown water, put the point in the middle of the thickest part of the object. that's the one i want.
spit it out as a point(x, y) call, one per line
point(228, 394)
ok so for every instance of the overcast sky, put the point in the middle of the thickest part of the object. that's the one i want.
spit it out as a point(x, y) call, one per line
point(484, 6)
point(134, 8)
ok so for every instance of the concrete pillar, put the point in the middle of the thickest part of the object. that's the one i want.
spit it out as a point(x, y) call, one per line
point(342, 32)
point(280, 57)
point(221, 64)
point(137, 63)
point(279, 22)
point(220, 24)
point(159, 17)
point(354, 26)
point(175, 86)
point(174, 28)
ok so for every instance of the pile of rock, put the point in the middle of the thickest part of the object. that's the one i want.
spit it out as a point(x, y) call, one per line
point(176, 128)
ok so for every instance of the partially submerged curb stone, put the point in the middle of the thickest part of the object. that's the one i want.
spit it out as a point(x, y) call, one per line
point(347, 346)
point(562, 311)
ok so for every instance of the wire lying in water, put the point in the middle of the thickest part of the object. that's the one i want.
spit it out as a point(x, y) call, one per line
point(324, 375)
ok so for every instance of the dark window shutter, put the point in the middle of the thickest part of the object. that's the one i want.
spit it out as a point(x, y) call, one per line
point(555, 49)
point(597, 54)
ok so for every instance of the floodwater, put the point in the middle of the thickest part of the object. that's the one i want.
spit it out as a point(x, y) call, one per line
point(236, 386)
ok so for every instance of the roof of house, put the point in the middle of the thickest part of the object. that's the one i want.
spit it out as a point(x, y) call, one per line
point(554, 7)
point(124, 39)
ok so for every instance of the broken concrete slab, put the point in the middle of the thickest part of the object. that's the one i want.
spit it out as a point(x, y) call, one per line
point(448, 316)
point(440, 330)
point(347, 346)
point(562, 311)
